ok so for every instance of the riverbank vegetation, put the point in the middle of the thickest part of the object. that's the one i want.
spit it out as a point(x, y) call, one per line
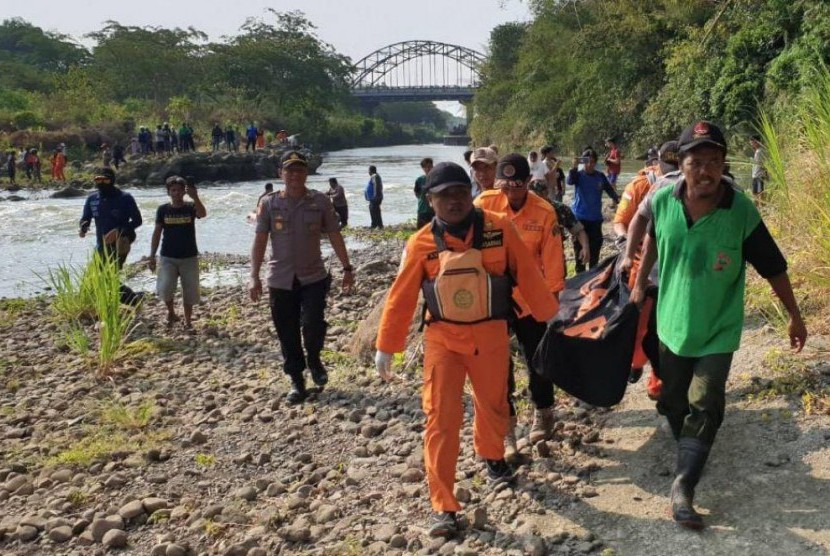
point(798, 197)
point(640, 70)
point(275, 71)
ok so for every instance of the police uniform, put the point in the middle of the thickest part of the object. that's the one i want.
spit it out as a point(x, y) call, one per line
point(298, 280)
point(455, 350)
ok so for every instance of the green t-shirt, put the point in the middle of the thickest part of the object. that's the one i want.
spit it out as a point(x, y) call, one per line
point(423, 204)
point(700, 308)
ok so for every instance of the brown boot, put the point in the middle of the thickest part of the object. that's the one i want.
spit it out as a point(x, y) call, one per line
point(511, 452)
point(542, 428)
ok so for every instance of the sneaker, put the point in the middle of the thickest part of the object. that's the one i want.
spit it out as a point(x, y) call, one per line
point(499, 471)
point(444, 524)
point(542, 428)
point(319, 375)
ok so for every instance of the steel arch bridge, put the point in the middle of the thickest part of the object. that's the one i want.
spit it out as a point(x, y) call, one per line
point(417, 70)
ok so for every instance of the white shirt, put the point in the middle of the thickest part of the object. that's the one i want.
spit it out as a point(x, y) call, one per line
point(538, 170)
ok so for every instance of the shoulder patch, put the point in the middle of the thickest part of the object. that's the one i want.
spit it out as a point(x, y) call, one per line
point(492, 238)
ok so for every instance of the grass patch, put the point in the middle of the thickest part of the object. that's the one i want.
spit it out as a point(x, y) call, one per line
point(78, 498)
point(205, 460)
point(792, 378)
point(228, 318)
point(101, 444)
point(92, 296)
point(13, 385)
point(127, 418)
point(11, 308)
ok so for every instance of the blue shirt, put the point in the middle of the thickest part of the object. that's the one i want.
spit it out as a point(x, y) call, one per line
point(116, 210)
point(588, 190)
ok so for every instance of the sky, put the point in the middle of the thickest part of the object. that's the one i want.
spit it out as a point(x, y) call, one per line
point(355, 27)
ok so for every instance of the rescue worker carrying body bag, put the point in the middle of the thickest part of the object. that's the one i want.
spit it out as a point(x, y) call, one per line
point(588, 348)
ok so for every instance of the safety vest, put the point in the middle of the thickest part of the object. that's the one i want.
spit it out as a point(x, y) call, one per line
point(463, 292)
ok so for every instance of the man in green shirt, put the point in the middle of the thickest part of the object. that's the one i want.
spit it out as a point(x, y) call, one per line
point(704, 231)
point(425, 212)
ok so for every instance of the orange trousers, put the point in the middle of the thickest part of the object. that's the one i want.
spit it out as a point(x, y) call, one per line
point(445, 373)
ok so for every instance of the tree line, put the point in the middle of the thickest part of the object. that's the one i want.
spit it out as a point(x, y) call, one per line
point(640, 70)
point(274, 71)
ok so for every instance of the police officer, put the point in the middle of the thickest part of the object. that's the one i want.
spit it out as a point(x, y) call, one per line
point(538, 227)
point(298, 281)
point(466, 262)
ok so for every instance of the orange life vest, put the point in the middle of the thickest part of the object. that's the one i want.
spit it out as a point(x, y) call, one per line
point(463, 292)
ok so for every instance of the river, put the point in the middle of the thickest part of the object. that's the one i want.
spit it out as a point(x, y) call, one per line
point(39, 233)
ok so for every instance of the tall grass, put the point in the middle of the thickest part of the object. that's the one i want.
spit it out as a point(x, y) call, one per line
point(797, 206)
point(87, 302)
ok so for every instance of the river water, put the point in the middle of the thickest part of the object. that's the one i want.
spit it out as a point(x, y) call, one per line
point(39, 233)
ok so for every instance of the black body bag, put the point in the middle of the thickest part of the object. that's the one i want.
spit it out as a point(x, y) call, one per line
point(588, 349)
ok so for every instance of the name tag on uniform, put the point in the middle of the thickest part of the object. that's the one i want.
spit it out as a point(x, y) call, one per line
point(494, 238)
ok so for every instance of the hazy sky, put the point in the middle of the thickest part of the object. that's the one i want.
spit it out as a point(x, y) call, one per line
point(354, 27)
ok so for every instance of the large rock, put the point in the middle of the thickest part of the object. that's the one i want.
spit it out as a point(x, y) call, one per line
point(68, 192)
point(205, 166)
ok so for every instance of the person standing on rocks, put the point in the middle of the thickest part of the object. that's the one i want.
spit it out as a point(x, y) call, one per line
point(294, 219)
point(704, 231)
point(464, 252)
point(215, 137)
point(374, 194)
point(11, 166)
point(250, 138)
point(58, 164)
point(589, 184)
point(759, 173)
point(538, 227)
point(176, 231)
point(424, 213)
point(338, 198)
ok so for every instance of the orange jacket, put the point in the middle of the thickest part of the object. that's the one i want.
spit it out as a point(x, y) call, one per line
point(634, 193)
point(539, 228)
point(503, 249)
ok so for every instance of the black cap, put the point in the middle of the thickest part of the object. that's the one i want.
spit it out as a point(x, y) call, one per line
point(668, 156)
point(293, 157)
point(513, 167)
point(106, 172)
point(701, 133)
point(444, 175)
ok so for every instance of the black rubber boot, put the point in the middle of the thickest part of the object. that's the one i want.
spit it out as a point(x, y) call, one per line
point(298, 392)
point(691, 457)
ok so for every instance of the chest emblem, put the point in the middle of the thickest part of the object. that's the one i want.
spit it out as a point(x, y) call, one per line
point(463, 299)
point(722, 262)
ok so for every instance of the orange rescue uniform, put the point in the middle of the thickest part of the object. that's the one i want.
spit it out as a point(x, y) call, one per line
point(453, 352)
point(58, 164)
point(539, 229)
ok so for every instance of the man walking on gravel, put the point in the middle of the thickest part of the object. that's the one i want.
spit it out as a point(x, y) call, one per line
point(176, 232)
point(466, 263)
point(704, 232)
point(294, 219)
point(538, 227)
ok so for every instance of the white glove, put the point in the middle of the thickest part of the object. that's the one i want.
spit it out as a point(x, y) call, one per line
point(383, 363)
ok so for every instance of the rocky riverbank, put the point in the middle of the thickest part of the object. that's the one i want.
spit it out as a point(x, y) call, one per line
point(189, 448)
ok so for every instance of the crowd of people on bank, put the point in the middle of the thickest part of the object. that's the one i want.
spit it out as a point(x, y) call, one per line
point(163, 141)
point(488, 261)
